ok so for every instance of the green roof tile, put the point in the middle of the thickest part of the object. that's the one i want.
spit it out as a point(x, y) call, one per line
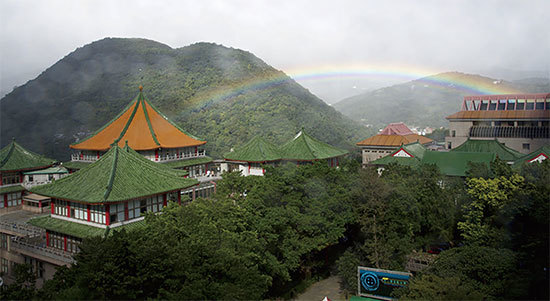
point(120, 174)
point(51, 170)
point(75, 164)
point(545, 149)
point(14, 157)
point(416, 149)
point(256, 150)
point(76, 229)
point(306, 148)
point(10, 189)
point(456, 163)
point(489, 146)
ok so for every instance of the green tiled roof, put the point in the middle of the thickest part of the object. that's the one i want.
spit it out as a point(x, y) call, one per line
point(256, 150)
point(14, 157)
point(449, 163)
point(51, 170)
point(306, 148)
point(456, 163)
point(120, 174)
point(188, 162)
point(489, 146)
point(75, 164)
point(9, 189)
point(525, 158)
point(76, 229)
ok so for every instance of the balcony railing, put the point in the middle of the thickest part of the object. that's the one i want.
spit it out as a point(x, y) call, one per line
point(166, 158)
point(30, 247)
point(22, 229)
point(542, 132)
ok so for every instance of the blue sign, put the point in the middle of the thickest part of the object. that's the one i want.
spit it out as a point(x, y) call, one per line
point(377, 283)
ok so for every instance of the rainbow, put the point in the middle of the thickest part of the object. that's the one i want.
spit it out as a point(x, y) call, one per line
point(467, 84)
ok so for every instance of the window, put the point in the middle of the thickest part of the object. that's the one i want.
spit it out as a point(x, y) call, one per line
point(510, 123)
point(50, 177)
point(116, 213)
point(453, 133)
point(530, 104)
point(97, 214)
point(4, 240)
point(526, 146)
point(511, 104)
point(31, 179)
point(449, 145)
point(10, 178)
point(492, 105)
point(72, 244)
point(484, 105)
point(5, 267)
point(501, 104)
point(60, 207)
point(79, 211)
point(57, 240)
point(520, 104)
point(540, 104)
point(14, 199)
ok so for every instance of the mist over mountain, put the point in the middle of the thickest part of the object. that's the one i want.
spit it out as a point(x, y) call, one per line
point(220, 94)
point(427, 101)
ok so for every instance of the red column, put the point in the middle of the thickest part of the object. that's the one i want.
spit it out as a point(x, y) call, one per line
point(179, 197)
point(249, 168)
point(81, 156)
point(196, 151)
point(164, 202)
point(126, 211)
point(156, 154)
point(52, 206)
point(88, 212)
point(47, 239)
point(107, 215)
point(1, 179)
point(5, 201)
point(98, 154)
point(68, 209)
point(337, 163)
point(21, 177)
point(65, 242)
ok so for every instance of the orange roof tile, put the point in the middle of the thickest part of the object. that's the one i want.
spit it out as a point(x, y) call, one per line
point(393, 140)
point(520, 114)
point(143, 126)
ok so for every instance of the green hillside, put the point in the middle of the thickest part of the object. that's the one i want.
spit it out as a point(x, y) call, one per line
point(223, 95)
point(427, 101)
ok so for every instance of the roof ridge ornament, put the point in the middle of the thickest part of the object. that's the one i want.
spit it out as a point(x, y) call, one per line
point(140, 88)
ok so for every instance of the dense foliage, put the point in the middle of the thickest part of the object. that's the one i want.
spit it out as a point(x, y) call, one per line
point(223, 95)
point(258, 237)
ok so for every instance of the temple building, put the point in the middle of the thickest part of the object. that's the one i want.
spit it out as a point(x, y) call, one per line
point(15, 161)
point(453, 164)
point(537, 156)
point(251, 158)
point(305, 149)
point(520, 121)
point(111, 193)
point(388, 140)
point(148, 132)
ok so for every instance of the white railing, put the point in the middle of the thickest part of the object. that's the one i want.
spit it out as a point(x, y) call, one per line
point(176, 157)
point(35, 183)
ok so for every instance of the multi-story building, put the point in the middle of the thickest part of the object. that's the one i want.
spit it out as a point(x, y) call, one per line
point(148, 132)
point(520, 121)
point(388, 140)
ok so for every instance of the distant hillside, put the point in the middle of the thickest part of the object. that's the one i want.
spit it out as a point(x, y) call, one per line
point(220, 94)
point(427, 101)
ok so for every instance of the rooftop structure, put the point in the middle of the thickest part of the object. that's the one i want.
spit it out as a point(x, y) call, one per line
point(449, 163)
point(489, 146)
point(148, 132)
point(388, 140)
point(521, 121)
point(306, 148)
point(537, 156)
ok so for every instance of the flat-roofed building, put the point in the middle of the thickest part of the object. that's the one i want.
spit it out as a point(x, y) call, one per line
point(520, 121)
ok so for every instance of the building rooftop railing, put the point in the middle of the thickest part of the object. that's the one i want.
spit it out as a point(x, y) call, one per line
point(166, 158)
point(537, 132)
point(32, 247)
point(22, 229)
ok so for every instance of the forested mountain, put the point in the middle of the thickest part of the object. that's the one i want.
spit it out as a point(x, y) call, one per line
point(223, 95)
point(427, 101)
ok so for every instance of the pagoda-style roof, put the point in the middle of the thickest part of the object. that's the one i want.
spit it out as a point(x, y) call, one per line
point(489, 146)
point(255, 150)
point(306, 148)
point(449, 163)
point(393, 135)
point(393, 140)
point(539, 155)
point(120, 174)
point(13, 157)
point(143, 126)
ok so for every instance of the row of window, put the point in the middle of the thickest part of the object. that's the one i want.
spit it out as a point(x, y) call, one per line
point(57, 241)
point(508, 105)
point(117, 212)
point(375, 151)
point(14, 199)
point(10, 178)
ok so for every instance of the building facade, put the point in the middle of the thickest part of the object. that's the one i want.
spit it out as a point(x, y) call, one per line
point(519, 121)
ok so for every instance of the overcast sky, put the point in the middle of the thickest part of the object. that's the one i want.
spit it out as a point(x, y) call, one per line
point(301, 38)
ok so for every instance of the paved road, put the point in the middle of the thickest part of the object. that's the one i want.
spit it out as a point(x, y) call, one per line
point(329, 287)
